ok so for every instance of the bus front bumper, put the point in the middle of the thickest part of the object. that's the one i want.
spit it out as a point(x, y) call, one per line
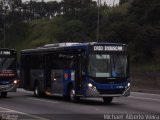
point(93, 92)
point(8, 88)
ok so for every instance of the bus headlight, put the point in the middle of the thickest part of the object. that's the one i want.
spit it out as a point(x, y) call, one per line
point(90, 85)
point(15, 81)
point(129, 84)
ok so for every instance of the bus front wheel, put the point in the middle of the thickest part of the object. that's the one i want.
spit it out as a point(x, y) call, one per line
point(107, 100)
point(3, 94)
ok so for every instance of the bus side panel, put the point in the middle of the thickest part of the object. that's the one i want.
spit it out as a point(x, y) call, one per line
point(24, 72)
point(68, 79)
point(32, 71)
point(37, 77)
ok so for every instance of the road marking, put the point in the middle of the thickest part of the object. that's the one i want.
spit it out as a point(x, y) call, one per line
point(5, 111)
point(43, 100)
point(22, 113)
point(145, 98)
point(146, 93)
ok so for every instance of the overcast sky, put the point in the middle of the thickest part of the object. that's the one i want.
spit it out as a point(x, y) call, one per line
point(109, 2)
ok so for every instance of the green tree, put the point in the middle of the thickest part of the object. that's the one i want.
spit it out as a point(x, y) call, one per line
point(75, 31)
point(124, 1)
point(72, 8)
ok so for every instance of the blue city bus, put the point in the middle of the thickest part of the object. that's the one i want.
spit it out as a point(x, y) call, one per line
point(9, 79)
point(76, 70)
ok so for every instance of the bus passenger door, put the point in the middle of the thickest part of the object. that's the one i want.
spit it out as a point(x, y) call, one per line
point(55, 74)
point(78, 73)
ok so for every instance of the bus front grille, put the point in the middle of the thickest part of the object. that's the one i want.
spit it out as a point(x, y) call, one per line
point(116, 91)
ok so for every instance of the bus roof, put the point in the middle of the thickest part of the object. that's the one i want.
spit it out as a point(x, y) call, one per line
point(67, 46)
point(7, 49)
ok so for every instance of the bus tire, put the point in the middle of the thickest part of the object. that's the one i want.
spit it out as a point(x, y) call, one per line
point(37, 91)
point(107, 100)
point(3, 94)
point(72, 95)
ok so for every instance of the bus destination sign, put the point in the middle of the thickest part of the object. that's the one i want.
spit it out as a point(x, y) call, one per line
point(5, 52)
point(107, 48)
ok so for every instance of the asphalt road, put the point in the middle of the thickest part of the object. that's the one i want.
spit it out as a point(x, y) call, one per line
point(22, 105)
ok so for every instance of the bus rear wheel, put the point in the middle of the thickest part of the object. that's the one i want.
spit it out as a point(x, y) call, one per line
point(37, 92)
point(107, 100)
point(3, 94)
point(72, 95)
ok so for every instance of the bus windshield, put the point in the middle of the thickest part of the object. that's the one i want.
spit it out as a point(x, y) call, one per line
point(8, 63)
point(105, 65)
